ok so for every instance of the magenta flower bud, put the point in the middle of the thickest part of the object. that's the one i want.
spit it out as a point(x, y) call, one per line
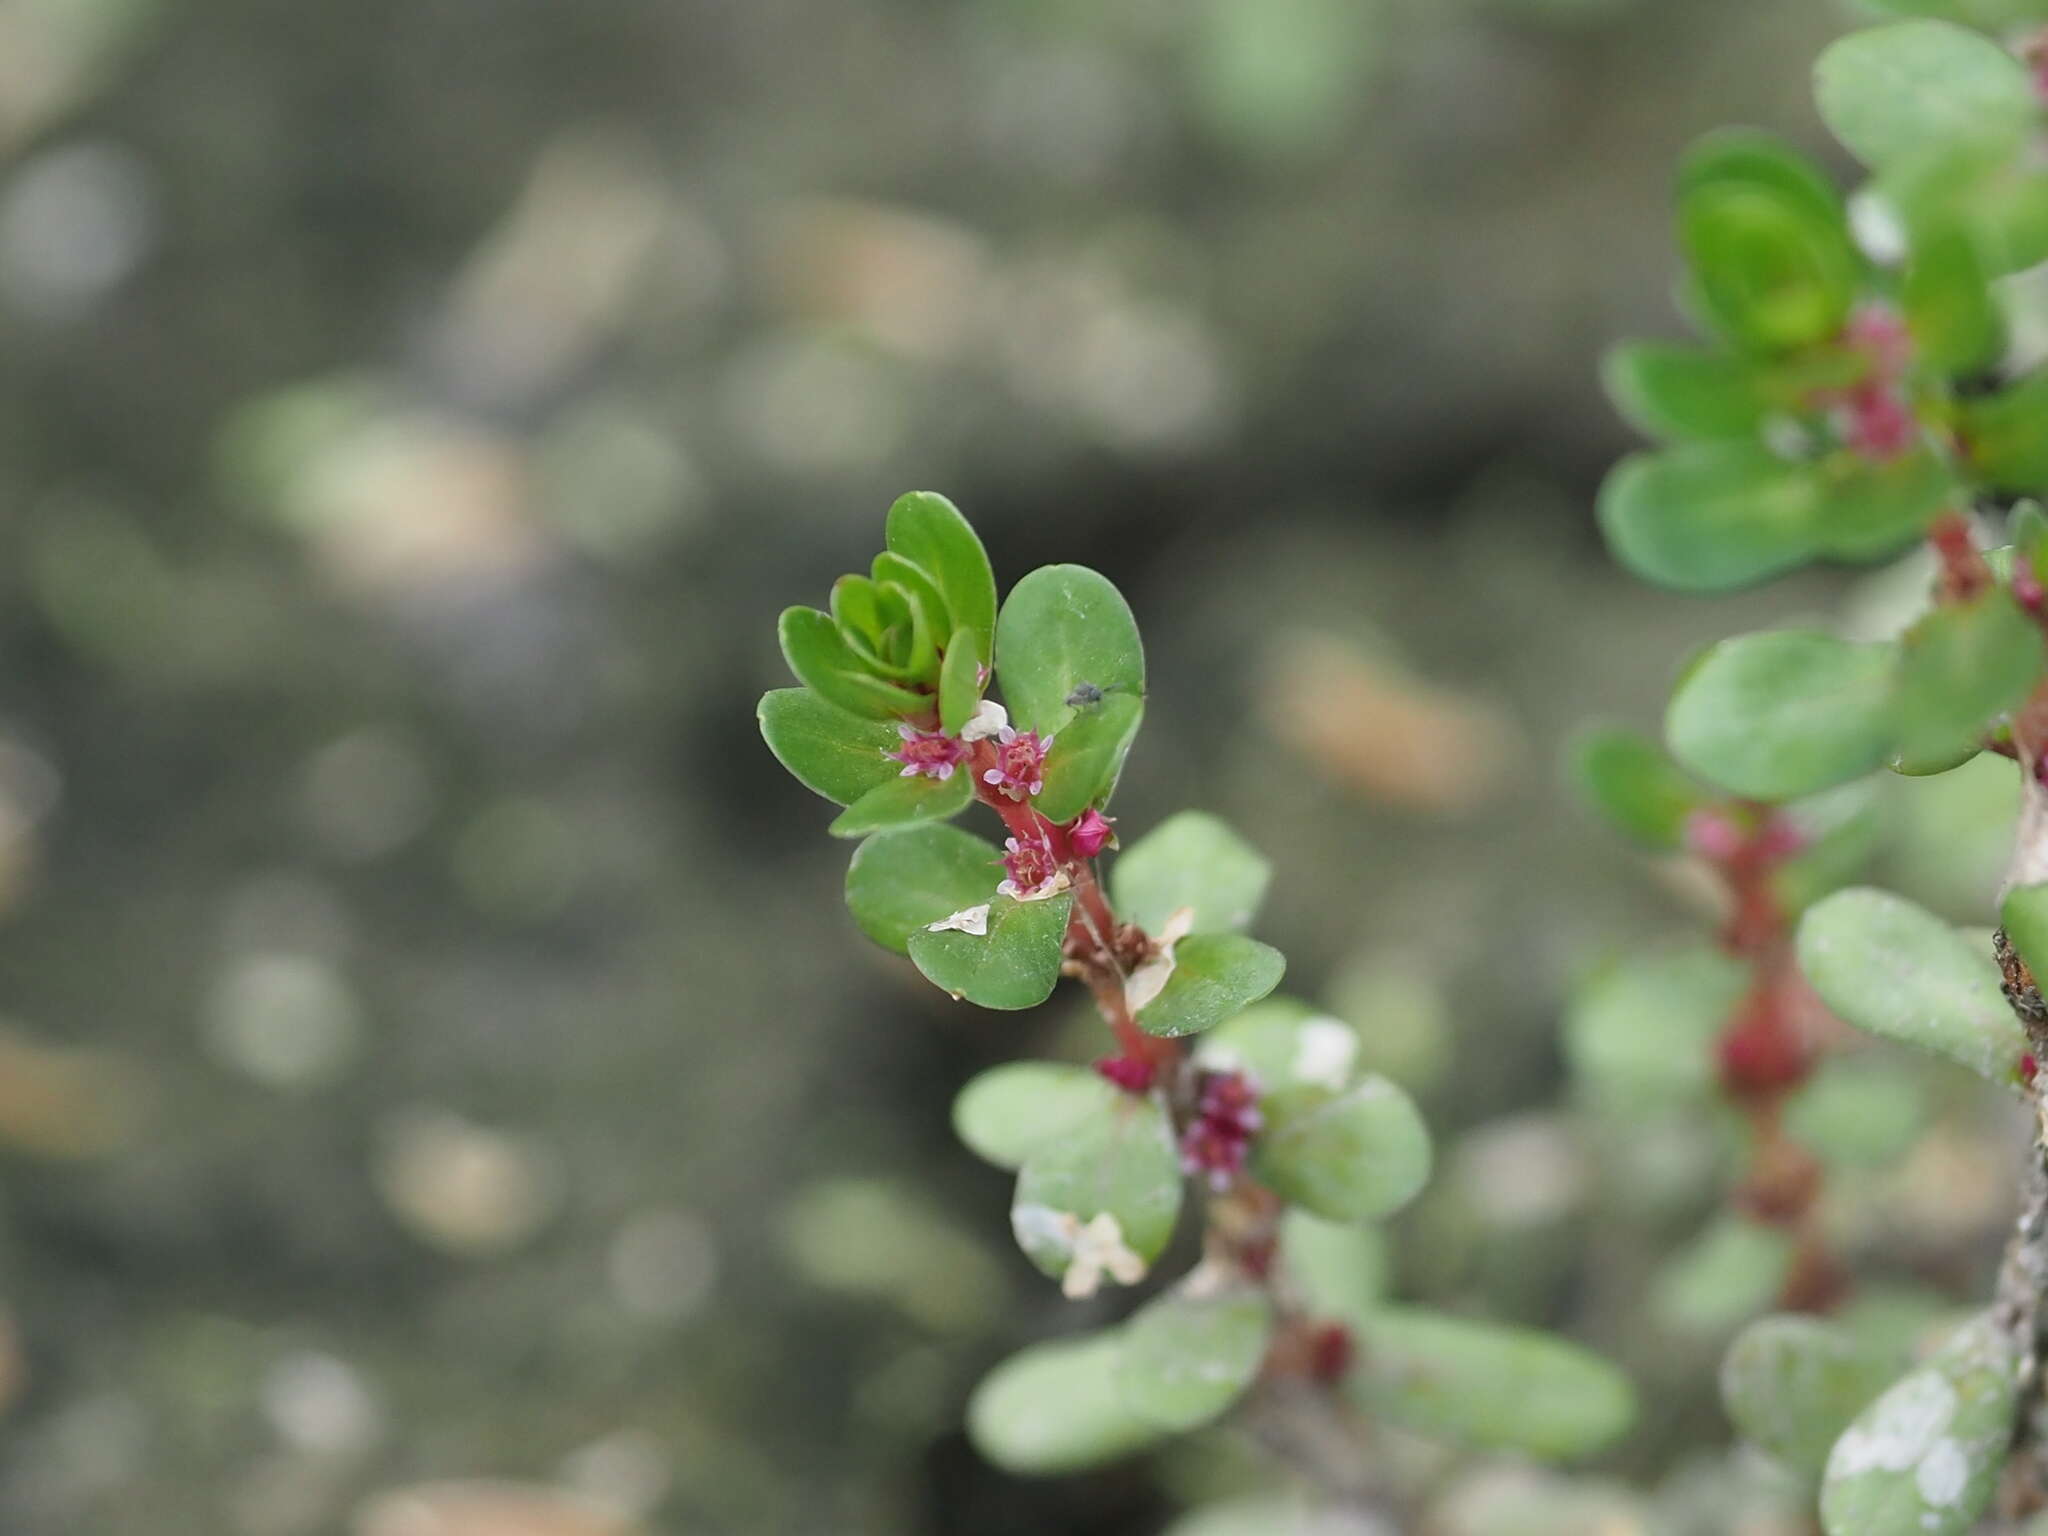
point(931, 753)
point(1713, 836)
point(2026, 587)
point(1227, 1116)
point(1090, 833)
point(1020, 763)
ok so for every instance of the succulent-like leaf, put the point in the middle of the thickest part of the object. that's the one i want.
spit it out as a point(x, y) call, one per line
point(1008, 1112)
point(828, 750)
point(1191, 859)
point(901, 802)
point(1088, 757)
point(1054, 1408)
point(899, 881)
point(1708, 517)
point(1785, 713)
point(1792, 1384)
point(1186, 1356)
point(1631, 780)
point(1891, 91)
point(1015, 964)
point(1351, 1155)
point(1923, 1459)
point(1960, 667)
point(929, 531)
point(1686, 392)
point(818, 654)
point(1488, 1386)
point(1065, 636)
point(1123, 1164)
point(1214, 976)
point(1893, 969)
point(1640, 1033)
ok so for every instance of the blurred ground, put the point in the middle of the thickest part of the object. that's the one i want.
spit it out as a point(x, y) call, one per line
point(434, 1049)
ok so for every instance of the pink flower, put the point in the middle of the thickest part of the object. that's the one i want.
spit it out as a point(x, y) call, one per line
point(1033, 871)
point(1226, 1118)
point(1090, 833)
point(1876, 423)
point(1020, 763)
point(1712, 835)
point(1879, 332)
point(932, 753)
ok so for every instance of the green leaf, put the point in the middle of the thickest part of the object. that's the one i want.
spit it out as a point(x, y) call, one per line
point(1961, 666)
point(1191, 859)
point(1863, 1111)
point(895, 569)
point(1014, 965)
point(1354, 1155)
point(1282, 1043)
point(829, 751)
point(1888, 967)
point(1123, 1164)
point(1632, 782)
point(1008, 1112)
point(960, 680)
point(902, 880)
point(1991, 190)
point(1214, 976)
point(2005, 436)
point(1640, 1034)
point(1707, 517)
point(1055, 1408)
point(1792, 1384)
point(2024, 916)
point(1734, 1269)
point(817, 653)
point(1956, 323)
point(1893, 90)
point(1772, 264)
point(1341, 1269)
point(1064, 628)
point(1186, 1357)
point(1924, 1458)
point(1869, 511)
point(1686, 392)
point(1488, 1386)
point(1784, 713)
point(902, 802)
point(927, 529)
point(1088, 757)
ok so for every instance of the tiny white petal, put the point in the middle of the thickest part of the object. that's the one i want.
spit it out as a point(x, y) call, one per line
point(972, 920)
point(1876, 225)
point(989, 719)
point(1324, 1052)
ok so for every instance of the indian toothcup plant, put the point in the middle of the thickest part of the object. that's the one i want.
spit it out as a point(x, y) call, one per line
point(1872, 381)
point(1214, 1103)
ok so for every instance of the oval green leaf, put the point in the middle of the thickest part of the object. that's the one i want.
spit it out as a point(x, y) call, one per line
point(822, 662)
point(1015, 964)
point(828, 750)
point(1065, 628)
point(1185, 1358)
point(1214, 976)
point(1708, 517)
point(1087, 758)
point(1784, 713)
point(1923, 1459)
point(1191, 859)
point(1054, 1408)
point(1124, 1165)
point(1632, 782)
point(1792, 1384)
point(1008, 1112)
point(1355, 1155)
point(928, 530)
point(1488, 1386)
point(901, 881)
point(1891, 91)
point(1895, 970)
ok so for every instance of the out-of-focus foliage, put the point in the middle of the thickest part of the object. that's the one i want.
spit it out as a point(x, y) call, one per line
point(436, 1073)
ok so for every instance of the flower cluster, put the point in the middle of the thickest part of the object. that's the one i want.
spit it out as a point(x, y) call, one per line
point(1226, 1118)
point(931, 753)
point(1873, 417)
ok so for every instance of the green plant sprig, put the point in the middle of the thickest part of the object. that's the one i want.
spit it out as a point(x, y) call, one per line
point(1257, 1101)
point(1863, 394)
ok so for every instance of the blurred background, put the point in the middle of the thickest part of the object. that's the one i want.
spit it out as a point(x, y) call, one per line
point(441, 1093)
